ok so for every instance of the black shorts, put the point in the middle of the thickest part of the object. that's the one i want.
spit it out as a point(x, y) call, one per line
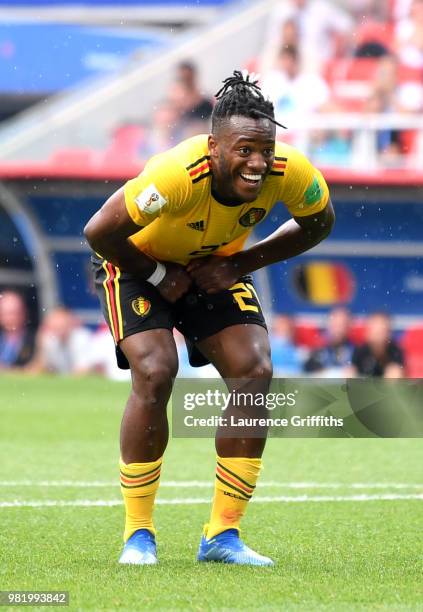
point(130, 306)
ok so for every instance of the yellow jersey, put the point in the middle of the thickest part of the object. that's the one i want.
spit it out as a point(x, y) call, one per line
point(171, 200)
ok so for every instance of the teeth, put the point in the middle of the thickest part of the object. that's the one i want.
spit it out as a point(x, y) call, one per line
point(251, 177)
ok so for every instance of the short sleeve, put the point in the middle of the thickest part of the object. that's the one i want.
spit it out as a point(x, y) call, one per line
point(305, 191)
point(162, 187)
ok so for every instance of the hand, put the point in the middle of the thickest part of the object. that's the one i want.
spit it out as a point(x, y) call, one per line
point(213, 274)
point(176, 282)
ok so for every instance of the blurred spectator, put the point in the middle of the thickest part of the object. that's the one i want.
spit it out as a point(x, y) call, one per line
point(401, 93)
point(391, 95)
point(127, 140)
point(399, 9)
point(409, 36)
point(63, 345)
point(183, 113)
point(164, 133)
point(289, 36)
point(373, 39)
point(333, 358)
point(388, 141)
point(331, 147)
point(16, 338)
point(192, 107)
point(287, 357)
point(102, 357)
point(324, 31)
point(380, 355)
point(292, 90)
point(370, 9)
point(197, 106)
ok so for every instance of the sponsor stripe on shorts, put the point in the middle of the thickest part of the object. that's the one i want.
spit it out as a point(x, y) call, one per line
point(111, 286)
point(118, 306)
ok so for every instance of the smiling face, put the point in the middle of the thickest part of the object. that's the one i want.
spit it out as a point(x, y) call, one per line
point(242, 153)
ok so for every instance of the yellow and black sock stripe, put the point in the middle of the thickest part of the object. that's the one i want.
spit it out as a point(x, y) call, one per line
point(234, 482)
point(200, 169)
point(137, 481)
point(112, 290)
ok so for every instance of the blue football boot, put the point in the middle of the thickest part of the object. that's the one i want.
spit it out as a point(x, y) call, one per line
point(227, 547)
point(140, 549)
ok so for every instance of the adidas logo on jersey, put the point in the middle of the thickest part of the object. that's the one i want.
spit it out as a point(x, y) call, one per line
point(197, 225)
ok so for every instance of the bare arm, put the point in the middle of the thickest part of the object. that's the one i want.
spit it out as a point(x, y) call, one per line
point(297, 235)
point(293, 238)
point(108, 232)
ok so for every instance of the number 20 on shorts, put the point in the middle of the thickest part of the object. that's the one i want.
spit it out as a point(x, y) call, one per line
point(243, 291)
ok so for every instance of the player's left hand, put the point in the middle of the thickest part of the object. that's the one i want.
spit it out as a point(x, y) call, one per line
point(213, 274)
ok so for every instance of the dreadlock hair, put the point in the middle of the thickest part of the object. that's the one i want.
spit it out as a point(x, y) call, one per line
point(241, 96)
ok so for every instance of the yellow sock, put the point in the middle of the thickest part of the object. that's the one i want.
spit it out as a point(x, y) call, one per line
point(236, 479)
point(139, 483)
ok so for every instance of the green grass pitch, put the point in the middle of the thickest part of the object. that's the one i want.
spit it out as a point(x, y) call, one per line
point(338, 546)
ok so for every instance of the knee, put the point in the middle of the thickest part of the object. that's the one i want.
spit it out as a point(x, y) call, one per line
point(260, 368)
point(153, 374)
point(256, 367)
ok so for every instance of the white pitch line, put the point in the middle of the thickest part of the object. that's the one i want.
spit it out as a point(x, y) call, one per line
point(209, 484)
point(192, 501)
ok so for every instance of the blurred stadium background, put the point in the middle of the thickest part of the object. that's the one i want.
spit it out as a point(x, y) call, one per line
point(89, 90)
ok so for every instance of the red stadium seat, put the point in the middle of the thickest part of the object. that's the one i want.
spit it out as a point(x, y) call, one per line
point(307, 335)
point(125, 144)
point(412, 343)
point(357, 333)
point(351, 69)
point(408, 141)
point(252, 65)
point(379, 32)
point(409, 74)
point(351, 79)
point(73, 158)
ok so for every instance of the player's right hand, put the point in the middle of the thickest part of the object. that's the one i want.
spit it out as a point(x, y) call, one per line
point(176, 282)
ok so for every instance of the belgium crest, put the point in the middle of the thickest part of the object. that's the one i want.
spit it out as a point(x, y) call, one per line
point(141, 306)
point(252, 216)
